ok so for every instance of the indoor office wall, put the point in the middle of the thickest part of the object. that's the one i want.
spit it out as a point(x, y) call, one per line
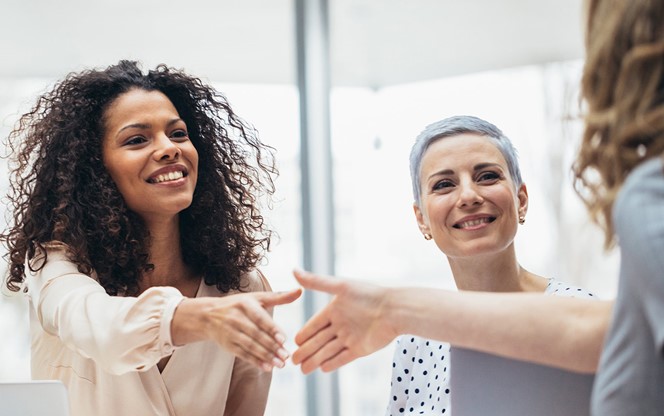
point(377, 235)
point(15, 95)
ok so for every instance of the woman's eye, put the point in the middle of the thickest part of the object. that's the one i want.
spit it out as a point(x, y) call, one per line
point(488, 176)
point(442, 185)
point(135, 140)
point(179, 134)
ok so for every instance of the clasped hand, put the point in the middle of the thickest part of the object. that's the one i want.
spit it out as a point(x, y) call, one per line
point(352, 325)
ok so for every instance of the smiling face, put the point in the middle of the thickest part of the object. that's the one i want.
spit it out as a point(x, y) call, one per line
point(469, 202)
point(148, 154)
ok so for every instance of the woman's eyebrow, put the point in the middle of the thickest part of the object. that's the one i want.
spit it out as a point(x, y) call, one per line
point(441, 173)
point(145, 126)
point(477, 167)
point(481, 166)
point(142, 126)
point(174, 121)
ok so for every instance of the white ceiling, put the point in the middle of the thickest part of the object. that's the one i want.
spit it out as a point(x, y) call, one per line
point(373, 42)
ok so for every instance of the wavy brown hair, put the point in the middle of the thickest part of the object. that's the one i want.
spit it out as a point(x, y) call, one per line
point(623, 87)
point(61, 191)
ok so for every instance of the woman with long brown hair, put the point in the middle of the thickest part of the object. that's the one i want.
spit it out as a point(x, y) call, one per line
point(620, 176)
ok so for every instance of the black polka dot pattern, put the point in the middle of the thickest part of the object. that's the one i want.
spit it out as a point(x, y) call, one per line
point(420, 368)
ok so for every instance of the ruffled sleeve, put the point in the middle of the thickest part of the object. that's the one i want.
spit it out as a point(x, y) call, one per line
point(121, 334)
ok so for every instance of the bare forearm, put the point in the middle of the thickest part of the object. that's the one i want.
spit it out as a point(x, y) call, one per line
point(562, 332)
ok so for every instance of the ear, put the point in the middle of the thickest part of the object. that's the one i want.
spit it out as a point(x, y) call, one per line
point(421, 220)
point(522, 196)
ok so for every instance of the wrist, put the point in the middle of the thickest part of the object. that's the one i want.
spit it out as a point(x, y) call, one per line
point(189, 322)
point(392, 311)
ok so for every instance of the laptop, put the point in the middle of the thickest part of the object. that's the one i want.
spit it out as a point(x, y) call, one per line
point(33, 398)
point(484, 384)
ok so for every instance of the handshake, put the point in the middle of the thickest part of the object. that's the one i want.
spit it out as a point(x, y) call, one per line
point(352, 325)
point(362, 318)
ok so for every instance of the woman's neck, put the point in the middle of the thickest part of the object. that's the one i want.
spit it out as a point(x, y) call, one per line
point(166, 256)
point(496, 272)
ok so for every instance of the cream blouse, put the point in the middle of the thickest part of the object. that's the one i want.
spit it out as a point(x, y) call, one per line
point(105, 349)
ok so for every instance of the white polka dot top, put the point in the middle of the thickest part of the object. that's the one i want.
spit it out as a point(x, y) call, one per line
point(421, 368)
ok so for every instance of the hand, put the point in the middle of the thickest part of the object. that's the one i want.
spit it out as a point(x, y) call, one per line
point(352, 325)
point(241, 324)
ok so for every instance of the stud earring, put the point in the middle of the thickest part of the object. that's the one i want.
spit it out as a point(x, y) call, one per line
point(427, 236)
point(522, 219)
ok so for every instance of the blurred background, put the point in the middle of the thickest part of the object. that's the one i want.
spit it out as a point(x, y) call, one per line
point(340, 89)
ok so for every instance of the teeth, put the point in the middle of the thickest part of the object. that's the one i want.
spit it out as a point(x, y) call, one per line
point(473, 223)
point(170, 176)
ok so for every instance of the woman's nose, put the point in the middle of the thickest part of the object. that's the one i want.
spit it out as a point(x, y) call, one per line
point(166, 149)
point(469, 195)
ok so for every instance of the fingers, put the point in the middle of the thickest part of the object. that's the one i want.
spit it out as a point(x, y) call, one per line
point(315, 324)
point(317, 282)
point(339, 360)
point(269, 299)
point(243, 326)
point(314, 344)
point(264, 330)
point(246, 348)
point(329, 350)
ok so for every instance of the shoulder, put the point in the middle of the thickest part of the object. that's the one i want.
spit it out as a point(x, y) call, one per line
point(49, 252)
point(640, 200)
point(252, 281)
point(560, 288)
point(255, 281)
point(415, 347)
point(646, 175)
point(639, 222)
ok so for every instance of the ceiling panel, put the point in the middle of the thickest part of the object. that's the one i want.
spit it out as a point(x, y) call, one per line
point(373, 42)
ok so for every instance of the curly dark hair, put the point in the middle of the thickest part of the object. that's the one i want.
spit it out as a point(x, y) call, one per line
point(61, 191)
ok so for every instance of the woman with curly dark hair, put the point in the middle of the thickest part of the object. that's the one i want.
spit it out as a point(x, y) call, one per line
point(136, 234)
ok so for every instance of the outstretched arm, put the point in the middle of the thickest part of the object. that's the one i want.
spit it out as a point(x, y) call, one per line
point(123, 334)
point(362, 318)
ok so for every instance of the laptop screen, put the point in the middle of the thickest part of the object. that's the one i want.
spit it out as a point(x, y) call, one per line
point(34, 398)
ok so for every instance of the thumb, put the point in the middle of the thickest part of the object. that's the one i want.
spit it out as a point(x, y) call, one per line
point(268, 299)
point(312, 281)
